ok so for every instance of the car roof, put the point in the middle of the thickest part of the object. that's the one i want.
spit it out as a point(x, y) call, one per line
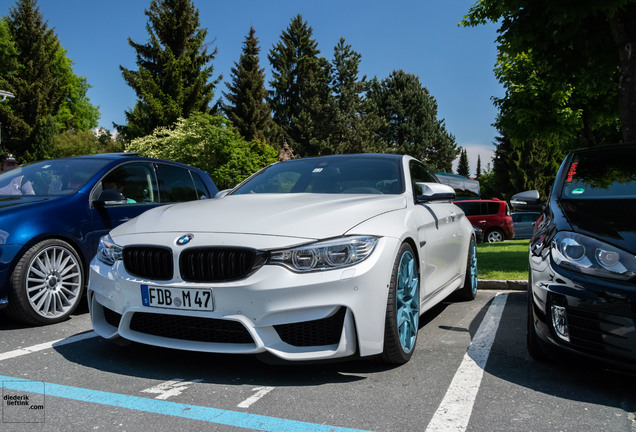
point(353, 155)
point(128, 156)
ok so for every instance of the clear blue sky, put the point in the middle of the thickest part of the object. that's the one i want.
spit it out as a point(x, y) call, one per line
point(420, 37)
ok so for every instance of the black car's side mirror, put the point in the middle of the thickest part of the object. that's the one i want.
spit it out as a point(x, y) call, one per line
point(527, 201)
point(110, 197)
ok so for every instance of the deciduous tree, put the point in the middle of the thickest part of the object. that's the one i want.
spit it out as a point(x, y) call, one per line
point(208, 142)
point(568, 68)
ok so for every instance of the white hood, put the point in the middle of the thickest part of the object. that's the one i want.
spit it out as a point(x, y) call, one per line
point(313, 216)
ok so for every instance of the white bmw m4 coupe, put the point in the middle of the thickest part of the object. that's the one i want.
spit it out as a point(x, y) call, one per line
point(308, 259)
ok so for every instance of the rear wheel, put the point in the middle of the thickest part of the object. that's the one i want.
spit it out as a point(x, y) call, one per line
point(46, 284)
point(495, 235)
point(469, 291)
point(403, 308)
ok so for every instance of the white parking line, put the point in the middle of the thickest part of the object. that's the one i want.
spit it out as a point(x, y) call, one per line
point(456, 408)
point(46, 345)
point(170, 388)
point(260, 392)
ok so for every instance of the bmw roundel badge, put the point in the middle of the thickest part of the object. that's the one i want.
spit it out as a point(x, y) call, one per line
point(184, 239)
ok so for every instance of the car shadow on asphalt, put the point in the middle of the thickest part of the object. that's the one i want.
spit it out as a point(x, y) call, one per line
point(150, 362)
point(569, 378)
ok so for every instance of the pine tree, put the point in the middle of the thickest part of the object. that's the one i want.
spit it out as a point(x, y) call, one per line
point(478, 172)
point(353, 130)
point(174, 71)
point(247, 108)
point(300, 97)
point(411, 125)
point(463, 167)
point(49, 97)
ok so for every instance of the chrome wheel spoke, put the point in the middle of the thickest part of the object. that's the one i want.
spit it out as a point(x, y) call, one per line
point(54, 282)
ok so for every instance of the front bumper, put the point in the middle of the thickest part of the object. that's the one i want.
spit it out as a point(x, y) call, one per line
point(313, 316)
point(600, 314)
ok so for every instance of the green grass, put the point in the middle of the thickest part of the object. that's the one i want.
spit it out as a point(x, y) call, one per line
point(503, 261)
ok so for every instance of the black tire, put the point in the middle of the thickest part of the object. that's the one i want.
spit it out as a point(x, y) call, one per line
point(403, 308)
point(46, 284)
point(495, 235)
point(469, 290)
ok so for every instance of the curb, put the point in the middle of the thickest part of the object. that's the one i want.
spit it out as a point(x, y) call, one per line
point(518, 285)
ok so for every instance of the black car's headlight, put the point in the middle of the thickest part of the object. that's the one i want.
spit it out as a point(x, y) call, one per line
point(108, 251)
point(587, 255)
point(325, 255)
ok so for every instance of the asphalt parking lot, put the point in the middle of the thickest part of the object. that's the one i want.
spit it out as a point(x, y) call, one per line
point(470, 372)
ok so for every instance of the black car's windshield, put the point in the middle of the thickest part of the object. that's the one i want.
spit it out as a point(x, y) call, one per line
point(601, 175)
point(48, 178)
point(332, 175)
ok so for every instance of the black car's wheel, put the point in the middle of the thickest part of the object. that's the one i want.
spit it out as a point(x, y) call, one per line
point(495, 235)
point(532, 339)
point(469, 290)
point(46, 284)
point(403, 308)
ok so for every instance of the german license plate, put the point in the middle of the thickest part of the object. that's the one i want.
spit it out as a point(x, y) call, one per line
point(177, 298)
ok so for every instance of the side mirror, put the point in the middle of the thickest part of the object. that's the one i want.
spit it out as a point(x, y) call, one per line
point(526, 201)
point(221, 194)
point(427, 192)
point(110, 197)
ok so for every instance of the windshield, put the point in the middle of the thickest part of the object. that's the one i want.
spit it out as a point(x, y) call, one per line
point(332, 175)
point(49, 178)
point(602, 175)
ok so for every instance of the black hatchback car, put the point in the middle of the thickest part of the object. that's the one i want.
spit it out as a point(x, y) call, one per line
point(53, 213)
point(582, 281)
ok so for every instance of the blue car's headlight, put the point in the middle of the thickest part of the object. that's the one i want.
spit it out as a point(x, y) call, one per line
point(108, 252)
point(325, 255)
point(587, 255)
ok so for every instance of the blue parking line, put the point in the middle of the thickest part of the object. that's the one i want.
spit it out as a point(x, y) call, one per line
point(193, 412)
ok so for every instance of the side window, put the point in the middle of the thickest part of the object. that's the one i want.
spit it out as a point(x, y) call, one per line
point(492, 208)
point(202, 190)
point(135, 180)
point(175, 184)
point(420, 174)
point(470, 208)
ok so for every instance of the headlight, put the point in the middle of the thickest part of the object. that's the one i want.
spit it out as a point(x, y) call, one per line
point(108, 252)
point(587, 255)
point(325, 255)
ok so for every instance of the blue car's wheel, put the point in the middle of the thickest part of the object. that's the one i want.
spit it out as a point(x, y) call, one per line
point(403, 308)
point(46, 284)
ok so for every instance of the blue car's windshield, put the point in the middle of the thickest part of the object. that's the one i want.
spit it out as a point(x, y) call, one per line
point(332, 175)
point(48, 178)
point(608, 175)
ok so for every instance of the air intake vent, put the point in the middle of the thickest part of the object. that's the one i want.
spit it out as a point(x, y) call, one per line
point(152, 263)
point(219, 264)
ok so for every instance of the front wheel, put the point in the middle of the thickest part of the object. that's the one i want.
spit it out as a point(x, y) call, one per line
point(46, 284)
point(403, 308)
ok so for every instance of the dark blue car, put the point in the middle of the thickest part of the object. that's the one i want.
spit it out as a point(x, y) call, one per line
point(53, 213)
